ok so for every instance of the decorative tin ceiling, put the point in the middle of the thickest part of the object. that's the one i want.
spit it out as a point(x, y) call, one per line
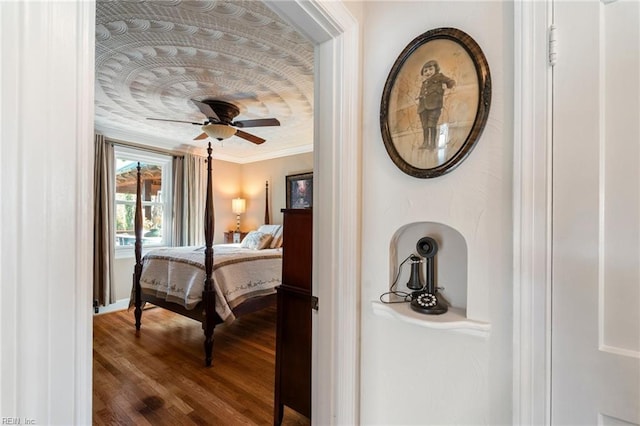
point(153, 56)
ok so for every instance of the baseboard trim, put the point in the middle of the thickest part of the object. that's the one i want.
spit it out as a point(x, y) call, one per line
point(119, 305)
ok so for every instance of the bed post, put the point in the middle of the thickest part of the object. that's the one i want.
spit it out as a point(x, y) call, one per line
point(209, 294)
point(266, 204)
point(137, 270)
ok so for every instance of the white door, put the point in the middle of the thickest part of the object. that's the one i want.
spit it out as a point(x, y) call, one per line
point(595, 360)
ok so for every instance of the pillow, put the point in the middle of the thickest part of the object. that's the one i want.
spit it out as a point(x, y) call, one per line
point(276, 232)
point(256, 240)
point(276, 241)
point(269, 229)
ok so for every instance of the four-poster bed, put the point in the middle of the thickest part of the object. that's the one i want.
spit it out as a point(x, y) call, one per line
point(240, 281)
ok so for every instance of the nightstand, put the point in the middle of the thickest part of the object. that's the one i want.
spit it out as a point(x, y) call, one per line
point(229, 236)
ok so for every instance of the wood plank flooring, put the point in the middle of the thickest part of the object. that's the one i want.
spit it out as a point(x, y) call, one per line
point(158, 377)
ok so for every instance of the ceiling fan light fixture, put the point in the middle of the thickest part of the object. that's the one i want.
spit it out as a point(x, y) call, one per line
point(219, 131)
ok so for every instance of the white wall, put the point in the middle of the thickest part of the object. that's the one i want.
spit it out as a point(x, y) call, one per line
point(411, 374)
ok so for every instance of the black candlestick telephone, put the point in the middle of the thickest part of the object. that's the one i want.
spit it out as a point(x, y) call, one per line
point(424, 298)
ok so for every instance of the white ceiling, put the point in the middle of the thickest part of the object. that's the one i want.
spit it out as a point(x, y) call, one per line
point(153, 56)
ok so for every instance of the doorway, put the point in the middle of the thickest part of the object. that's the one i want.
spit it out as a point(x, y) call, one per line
point(65, 361)
point(336, 147)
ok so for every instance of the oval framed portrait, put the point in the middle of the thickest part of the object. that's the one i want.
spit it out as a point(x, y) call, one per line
point(435, 102)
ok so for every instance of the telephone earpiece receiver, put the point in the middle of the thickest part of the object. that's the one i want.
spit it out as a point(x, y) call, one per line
point(427, 247)
point(426, 301)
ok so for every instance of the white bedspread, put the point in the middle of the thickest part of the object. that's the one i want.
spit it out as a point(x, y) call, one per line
point(177, 275)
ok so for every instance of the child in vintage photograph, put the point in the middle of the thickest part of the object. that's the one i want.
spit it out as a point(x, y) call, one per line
point(430, 101)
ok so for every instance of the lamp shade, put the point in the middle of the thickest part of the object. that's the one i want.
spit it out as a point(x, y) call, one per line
point(238, 205)
point(219, 131)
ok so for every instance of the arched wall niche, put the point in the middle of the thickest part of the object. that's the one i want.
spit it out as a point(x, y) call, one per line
point(450, 276)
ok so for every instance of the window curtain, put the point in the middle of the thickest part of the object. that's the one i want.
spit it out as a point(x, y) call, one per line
point(177, 235)
point(103, 230)
point(195, 185)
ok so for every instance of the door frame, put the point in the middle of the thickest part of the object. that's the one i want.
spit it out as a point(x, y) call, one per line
point(337, 169)
point(532, 168)
point(337, 147)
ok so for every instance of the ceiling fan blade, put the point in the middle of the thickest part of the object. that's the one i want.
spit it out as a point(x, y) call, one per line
point(174, 121)
point(200, 137)
point(248, 136)
point(206, 110)
point(256, 123)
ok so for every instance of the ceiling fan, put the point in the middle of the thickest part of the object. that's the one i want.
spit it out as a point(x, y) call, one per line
point(220, 124)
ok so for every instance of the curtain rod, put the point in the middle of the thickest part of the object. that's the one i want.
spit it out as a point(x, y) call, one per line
point(145, 147)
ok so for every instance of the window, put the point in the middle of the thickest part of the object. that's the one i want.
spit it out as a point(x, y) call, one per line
point(155, 172)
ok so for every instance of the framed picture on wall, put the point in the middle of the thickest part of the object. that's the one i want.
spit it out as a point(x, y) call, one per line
point(299, 189)
point(435, 102)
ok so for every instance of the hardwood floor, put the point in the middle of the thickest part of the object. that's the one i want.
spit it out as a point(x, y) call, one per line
point(158, 377)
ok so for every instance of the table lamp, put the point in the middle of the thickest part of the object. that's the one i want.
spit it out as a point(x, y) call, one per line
point(238, 206)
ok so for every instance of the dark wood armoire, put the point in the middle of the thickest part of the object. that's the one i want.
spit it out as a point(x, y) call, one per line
point(293, 329)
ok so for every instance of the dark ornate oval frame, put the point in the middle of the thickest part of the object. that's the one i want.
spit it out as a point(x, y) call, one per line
point(484, 101)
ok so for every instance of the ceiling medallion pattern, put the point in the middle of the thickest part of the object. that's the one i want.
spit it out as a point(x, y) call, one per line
point(152, 57)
